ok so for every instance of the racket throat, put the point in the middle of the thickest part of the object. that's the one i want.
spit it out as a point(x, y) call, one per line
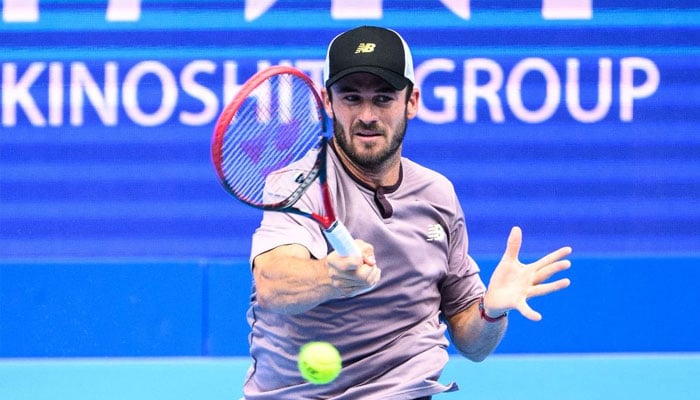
point(328, 223)
point(341, 240)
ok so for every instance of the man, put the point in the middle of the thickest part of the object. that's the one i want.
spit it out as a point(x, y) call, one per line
point(386, 311)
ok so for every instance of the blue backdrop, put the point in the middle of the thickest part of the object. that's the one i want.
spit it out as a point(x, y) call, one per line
point(575, 120)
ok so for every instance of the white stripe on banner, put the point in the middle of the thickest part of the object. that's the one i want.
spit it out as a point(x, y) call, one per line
point(20, 10)
point(124, 10)
point(567, 9)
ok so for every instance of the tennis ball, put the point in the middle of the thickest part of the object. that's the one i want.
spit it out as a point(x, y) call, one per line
point(319, 362)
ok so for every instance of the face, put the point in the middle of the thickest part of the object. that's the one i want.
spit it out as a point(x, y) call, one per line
point(369, 119)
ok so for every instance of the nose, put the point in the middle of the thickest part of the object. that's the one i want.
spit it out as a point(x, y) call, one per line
point(367, 113)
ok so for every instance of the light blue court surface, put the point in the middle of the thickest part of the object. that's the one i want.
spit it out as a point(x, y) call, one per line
point(568, 377)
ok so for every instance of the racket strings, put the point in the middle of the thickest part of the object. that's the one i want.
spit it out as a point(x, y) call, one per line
point(276, 125)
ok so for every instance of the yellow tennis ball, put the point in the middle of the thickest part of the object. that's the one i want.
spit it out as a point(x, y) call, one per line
point(319, 362)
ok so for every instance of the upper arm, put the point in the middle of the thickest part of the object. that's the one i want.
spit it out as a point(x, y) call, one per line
point(273, 256)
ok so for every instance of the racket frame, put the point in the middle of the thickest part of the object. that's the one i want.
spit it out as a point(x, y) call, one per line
point(334, 230)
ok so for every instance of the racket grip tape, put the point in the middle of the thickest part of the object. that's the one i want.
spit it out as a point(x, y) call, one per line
point(339, 237)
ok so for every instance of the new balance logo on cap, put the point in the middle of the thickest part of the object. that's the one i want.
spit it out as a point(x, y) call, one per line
point(365, 48)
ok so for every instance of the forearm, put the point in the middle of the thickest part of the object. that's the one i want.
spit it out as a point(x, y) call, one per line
point(473, 336)
point(287, 281)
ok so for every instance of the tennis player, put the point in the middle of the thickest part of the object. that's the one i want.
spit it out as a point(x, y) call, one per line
point(390, 310)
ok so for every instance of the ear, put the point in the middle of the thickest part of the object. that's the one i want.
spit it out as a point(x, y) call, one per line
point(412, 105)
point(327, 103)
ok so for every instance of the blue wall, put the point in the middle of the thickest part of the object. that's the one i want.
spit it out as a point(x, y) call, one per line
point(118, 309)
point(116, 239)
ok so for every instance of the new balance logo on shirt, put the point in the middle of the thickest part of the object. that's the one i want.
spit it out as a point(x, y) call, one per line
point(435, 233)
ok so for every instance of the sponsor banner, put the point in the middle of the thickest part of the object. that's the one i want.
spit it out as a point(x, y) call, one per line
point(578, 122)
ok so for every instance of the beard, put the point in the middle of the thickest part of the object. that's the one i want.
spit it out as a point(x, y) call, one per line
point(368, 157)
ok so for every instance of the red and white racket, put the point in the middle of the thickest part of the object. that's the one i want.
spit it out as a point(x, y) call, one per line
point(275, 120)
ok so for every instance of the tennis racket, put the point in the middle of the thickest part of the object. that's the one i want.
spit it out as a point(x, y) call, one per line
point(269, 146)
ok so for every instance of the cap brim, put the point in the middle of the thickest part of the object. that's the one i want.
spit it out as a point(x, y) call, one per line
point(395, 80)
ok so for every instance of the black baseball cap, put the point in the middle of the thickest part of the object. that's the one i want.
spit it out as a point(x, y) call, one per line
point(379, 51)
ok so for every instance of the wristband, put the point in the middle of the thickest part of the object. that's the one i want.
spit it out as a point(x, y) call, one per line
point(485, 316)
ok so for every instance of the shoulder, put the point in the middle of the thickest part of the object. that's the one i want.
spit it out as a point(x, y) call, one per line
point(423, 177)
point(425, 184)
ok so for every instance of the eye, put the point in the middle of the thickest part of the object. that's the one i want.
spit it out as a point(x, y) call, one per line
point(351, 98)
point(383, 99)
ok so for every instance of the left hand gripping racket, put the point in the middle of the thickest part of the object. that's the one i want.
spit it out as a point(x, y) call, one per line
point(274, 121)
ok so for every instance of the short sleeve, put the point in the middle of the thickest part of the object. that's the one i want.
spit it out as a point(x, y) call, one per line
point(462, 283)
point(280, 228)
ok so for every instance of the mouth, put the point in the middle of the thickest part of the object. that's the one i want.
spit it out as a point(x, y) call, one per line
point(367, 138)
point(364, 133)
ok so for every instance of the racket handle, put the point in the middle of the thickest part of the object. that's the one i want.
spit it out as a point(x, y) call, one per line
point(341, 240)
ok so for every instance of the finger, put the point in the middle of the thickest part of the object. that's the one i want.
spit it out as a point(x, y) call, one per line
point(365, 272)
point(345, 265)
point(362, 276)
point(528, 312)
point(367, 252)
point(553, 256)
point(374, 276)
point(547, 288)
point(343, 282)
point(515, 239)
point(547, 271)
point(355, 287)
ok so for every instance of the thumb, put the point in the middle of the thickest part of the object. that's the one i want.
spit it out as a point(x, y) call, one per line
point(515, 239)
point(367, 253)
